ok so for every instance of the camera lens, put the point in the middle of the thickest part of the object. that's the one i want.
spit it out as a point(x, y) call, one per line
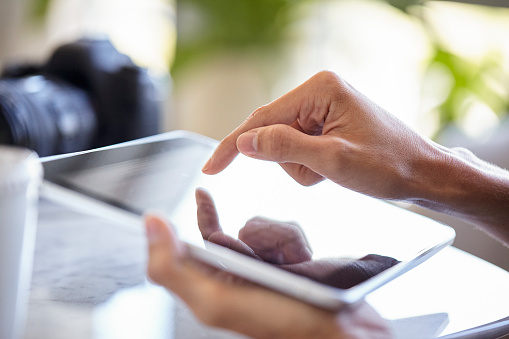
point(46, 115)
point(5, 132)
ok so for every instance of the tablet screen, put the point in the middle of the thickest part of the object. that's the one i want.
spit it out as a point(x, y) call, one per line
point(140, 177)
point(337, 224)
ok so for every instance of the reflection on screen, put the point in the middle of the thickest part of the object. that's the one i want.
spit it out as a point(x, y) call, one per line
point(163, 175)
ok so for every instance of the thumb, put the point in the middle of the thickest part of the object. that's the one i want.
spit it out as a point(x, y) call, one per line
point(164, 249)
point(283, 143)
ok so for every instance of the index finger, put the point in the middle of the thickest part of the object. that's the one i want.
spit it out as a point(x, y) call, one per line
point(284, 110)
point(307, 105)
point(227, 150)
point(208, 220)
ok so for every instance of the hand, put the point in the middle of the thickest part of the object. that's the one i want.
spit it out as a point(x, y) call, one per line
point(222, 300)
point(285, 245)
point(326, 129)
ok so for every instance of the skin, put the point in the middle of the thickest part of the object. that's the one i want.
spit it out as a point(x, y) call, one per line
point(325, 129)
point(222, 300)
point(284, 245)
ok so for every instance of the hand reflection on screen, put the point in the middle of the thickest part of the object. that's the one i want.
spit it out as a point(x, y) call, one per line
point(284, 245)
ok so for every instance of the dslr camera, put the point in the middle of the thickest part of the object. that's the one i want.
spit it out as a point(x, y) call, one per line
point(86, 95)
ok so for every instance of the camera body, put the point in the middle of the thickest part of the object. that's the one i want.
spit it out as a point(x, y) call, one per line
point(87, 95)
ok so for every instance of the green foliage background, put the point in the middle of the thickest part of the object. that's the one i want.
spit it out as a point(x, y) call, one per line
point(235, 25)
point(261, 26)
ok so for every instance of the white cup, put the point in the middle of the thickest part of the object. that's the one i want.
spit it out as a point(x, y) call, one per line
point(20, 176)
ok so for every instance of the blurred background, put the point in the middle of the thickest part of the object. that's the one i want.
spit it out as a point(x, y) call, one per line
point(440, 66)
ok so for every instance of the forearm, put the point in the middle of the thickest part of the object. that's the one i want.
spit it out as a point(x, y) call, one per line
point(455, 182)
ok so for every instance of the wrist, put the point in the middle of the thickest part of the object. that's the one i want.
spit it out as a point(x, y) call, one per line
point(456, 182)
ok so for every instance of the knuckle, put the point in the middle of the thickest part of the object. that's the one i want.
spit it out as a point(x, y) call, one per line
point(335, 86)
point(463, 152)
point(207, 208)
point(292, 229)
point(308, 180)
point(256, 114)
point(252, 227)
point(329, 78)
point(275, 144)
point(257, 220)
point(340, 152)
point(293, 224)
point(258, 111)
point(327, 75)
point(307, 177)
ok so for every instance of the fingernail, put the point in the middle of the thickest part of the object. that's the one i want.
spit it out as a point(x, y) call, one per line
point(247, 143)
point(152, 229)
point(207, 165)
point(198, 194)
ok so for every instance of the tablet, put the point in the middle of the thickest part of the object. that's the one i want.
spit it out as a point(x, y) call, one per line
point(121, 182)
